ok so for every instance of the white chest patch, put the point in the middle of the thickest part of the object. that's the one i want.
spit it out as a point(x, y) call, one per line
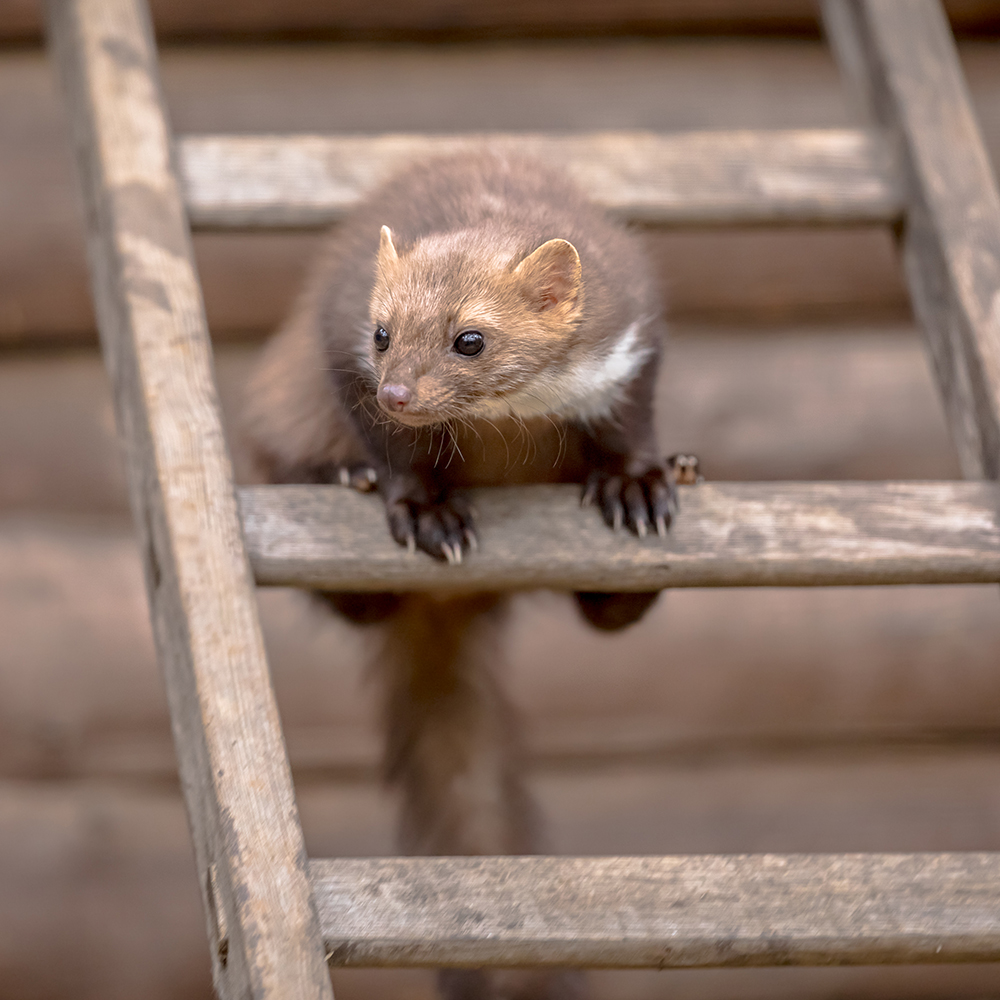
point(586, 390)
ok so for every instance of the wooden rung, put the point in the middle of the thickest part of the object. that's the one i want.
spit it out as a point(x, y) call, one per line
point(669, 912)
point(728, 534)
point(839, 176)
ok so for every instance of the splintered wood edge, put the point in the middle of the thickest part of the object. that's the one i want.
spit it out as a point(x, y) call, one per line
point(727, 534)
point(739, 178)
point(263, 929)
point(660, 912)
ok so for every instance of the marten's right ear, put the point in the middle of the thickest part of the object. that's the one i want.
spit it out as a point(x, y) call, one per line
point(386, 251)
point(551, 277)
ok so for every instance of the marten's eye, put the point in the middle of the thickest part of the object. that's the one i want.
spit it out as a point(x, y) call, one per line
point(469, 343)
point(381, 338)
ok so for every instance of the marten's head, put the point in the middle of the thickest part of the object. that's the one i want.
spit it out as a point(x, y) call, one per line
point(466, 325)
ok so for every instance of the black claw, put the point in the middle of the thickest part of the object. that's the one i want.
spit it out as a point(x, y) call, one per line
point(663, 504)
point(442, 530)
point(641, 503)
point(637, 506)
point(400, 522)
point(611, 503)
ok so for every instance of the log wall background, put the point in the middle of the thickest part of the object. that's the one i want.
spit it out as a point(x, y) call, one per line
point(20, 20)
point(815, 720)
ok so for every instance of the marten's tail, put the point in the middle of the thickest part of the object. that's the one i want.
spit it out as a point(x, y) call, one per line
point(452, 747)
point(453, 751)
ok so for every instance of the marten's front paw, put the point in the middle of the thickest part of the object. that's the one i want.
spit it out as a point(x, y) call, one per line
point(443, 530)
point(686, 469)
point(362, 478)
point(642, 503)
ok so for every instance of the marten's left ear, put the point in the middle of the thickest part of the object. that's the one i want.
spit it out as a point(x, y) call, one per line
point(550, 277)
point(386, 249)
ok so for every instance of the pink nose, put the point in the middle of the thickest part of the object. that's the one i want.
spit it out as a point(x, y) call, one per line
point(394, 397)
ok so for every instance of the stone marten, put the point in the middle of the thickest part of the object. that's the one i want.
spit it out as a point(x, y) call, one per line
point(476, 321)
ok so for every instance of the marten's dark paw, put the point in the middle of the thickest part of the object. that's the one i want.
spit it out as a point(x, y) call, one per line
point(443, 530)
point(611, 612)
point(559, 984)
point(642, 503)
point(686, 469)
point(361, 609)
point(464, 984)
point(513, 984)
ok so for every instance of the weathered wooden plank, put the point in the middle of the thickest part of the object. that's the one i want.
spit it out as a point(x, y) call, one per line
point(903, 59)
point(728, 534)
point(669, 912)
point(739, 178)
point(248, 842)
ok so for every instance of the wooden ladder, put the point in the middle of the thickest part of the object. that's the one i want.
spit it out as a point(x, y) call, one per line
point(276, 918)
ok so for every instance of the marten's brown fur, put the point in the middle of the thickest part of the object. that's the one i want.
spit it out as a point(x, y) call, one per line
point(475, 322)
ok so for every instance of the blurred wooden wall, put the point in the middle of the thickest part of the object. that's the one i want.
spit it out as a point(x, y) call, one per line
point(727, 721)
point(21, 19)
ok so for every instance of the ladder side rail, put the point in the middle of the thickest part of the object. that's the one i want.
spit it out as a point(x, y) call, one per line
point(902, 60)
point(742, 177)
point(685, 911)
point(263, 925)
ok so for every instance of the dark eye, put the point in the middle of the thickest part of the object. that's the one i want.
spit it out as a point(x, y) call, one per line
point(381, 339)
point(469, 343)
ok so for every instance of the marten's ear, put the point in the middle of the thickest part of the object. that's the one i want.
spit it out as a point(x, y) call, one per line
point(550, 277)
point(386, 251)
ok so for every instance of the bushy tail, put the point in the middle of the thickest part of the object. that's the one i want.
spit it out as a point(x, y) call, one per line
point(453, 752)
point(452, 746)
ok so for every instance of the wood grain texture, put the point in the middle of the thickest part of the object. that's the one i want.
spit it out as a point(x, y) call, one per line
point(234, 769)
point(903, 60)
point(737, 178)
point(747, 534)
point(668, 912)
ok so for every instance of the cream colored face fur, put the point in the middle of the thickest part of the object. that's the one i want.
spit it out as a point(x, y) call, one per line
point(529, 311)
